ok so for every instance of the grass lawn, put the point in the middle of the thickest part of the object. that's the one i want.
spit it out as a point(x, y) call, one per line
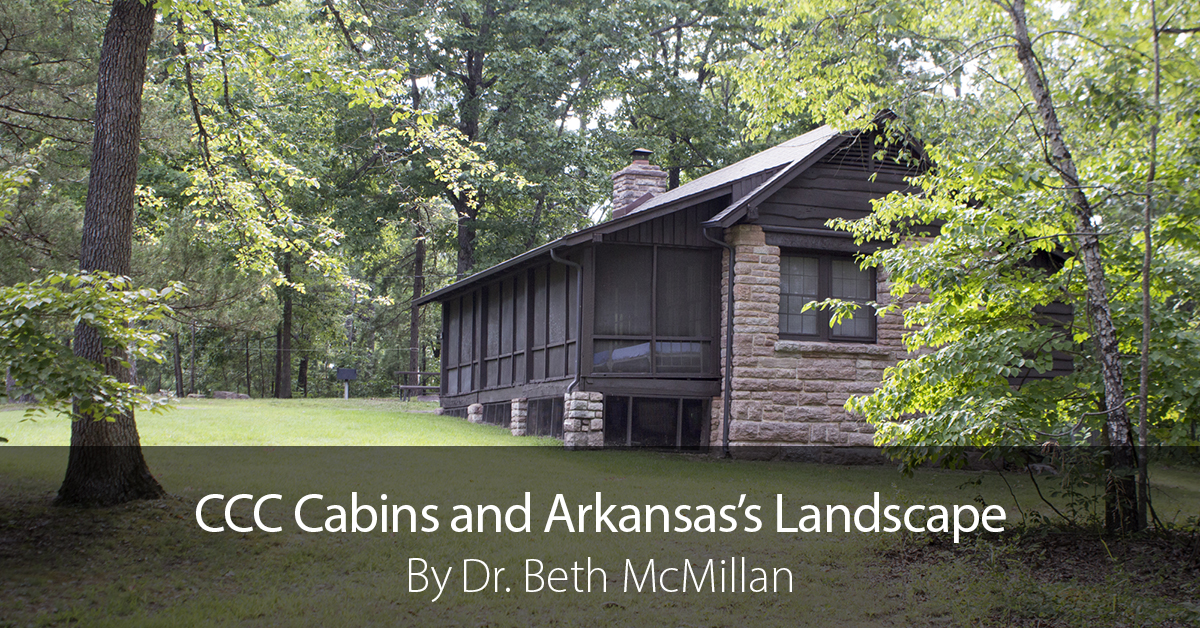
point(281, 422)
point(149, 563)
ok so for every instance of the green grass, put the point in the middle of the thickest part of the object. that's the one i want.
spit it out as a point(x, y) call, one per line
point(280, 422)
point(148, 563)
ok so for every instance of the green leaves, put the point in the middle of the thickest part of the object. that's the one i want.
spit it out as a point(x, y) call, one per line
point(37, 318)
point(990, 246)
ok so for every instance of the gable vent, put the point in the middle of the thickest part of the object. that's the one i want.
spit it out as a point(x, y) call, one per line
point(864, 154)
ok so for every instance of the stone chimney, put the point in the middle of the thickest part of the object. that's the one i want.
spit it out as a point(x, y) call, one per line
point(636, 181)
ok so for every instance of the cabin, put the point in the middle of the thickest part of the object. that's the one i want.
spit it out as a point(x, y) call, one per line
point(678, 323)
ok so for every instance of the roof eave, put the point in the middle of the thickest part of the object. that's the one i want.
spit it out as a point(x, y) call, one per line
point(587, 234)
point(735, 212)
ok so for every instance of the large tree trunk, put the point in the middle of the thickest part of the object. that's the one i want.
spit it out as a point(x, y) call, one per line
point(105, 465)
point(467, 211)
point(1121, 512)
point(469, 111)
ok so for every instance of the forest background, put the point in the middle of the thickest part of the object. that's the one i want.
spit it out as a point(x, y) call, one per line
point(307, 169)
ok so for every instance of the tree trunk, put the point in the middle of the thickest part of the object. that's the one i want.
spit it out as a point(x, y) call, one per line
point(283, 385)
point(192, 363)
point(414, 312)
point(105, 464)
point(469, 112)
point(224, 373)
point(1147, 265)
point(1120, 490)
point(178, 367)
point(278, 364)
point(302, 376)
point(467, 211)
point(262, 372)
point(249, 381)
point(673, 171)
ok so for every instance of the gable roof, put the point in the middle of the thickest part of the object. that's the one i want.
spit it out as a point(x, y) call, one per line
point(784, 154)
point(782, 162)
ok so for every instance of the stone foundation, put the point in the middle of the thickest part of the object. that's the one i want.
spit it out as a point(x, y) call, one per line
point(583, 420)
point(520, 412)
point(475, 413)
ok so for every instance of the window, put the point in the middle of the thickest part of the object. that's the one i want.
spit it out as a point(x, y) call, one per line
point(654, 312)
point(803, 279)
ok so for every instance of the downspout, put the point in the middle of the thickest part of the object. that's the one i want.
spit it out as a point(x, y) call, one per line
point(727, 392)
point(578, 317)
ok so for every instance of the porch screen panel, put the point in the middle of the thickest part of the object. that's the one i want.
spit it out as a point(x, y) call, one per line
point(453, 332)
point(466, 355)
point(621, 356)
point(570, 320)
point(538, 342)
point(683, 311)
point(624, 284)
point(520, 328)
point(491, 366)
point(558, 304)
point(556, 353)
point(505, 375)
point(506, 317)
point(493, 320)
point(684, 293)
point(571, 288)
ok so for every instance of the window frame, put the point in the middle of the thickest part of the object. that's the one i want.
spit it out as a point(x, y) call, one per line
point(654, 338)
point(824, 291)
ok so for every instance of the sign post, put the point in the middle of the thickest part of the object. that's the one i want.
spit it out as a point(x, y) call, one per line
point(346, 375)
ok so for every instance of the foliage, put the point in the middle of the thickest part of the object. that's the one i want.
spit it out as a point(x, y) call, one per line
point(1006, 247)
point(673, 97)
point(36, 318)
point(334, 136)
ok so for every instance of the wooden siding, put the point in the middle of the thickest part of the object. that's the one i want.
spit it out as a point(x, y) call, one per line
point(742, 187)
point(841, 185)
point(681, 228)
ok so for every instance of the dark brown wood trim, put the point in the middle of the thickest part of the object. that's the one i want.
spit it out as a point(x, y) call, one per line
point(655, 387)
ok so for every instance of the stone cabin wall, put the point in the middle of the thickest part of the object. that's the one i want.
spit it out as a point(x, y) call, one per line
point(789, 392)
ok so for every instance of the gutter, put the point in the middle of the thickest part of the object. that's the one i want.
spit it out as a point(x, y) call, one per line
point(727, 388)
point(578, 317)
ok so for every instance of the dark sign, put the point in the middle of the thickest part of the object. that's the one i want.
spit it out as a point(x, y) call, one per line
point(347, 374)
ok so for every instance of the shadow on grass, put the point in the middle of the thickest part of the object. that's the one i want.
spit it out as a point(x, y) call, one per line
point(149, 563)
